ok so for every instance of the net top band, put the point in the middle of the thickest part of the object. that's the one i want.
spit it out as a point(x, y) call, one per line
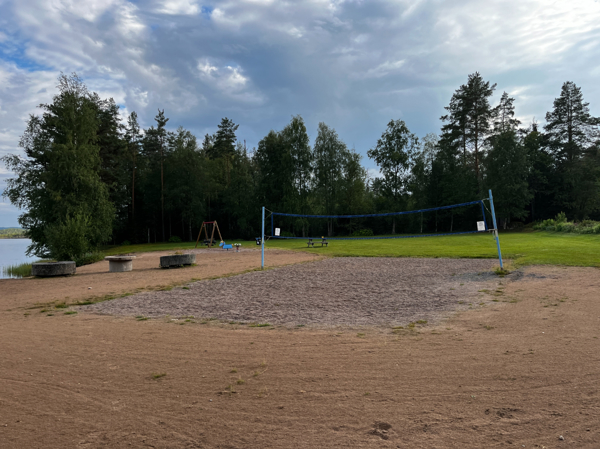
point(389, 214)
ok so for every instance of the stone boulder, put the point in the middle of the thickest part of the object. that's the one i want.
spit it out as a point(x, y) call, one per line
point(177, 260)
point(47, 269)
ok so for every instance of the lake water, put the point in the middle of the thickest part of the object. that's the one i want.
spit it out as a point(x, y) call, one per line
point(12, 252)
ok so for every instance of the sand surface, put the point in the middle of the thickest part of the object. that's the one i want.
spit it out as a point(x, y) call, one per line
point(94, 281)
point(519, 370)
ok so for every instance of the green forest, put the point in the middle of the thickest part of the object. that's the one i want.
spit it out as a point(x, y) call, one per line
point(87, 177)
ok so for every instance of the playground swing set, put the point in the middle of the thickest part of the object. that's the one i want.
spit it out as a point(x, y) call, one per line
point(211, 241)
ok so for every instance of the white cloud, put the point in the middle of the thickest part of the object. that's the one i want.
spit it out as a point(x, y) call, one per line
point(185, 7)
point(353, 64)
point(387, 68)
point(130, 25)
point(373, 173)
point(228, 80)
point(89, 10)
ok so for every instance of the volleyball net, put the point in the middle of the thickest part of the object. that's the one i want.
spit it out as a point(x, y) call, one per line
point(456, 219)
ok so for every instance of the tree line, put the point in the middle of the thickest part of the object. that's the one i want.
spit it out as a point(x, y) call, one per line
point(89, 178)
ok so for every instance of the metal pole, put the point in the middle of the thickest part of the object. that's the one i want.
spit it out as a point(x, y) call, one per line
point(496, 230)
point(262, 241)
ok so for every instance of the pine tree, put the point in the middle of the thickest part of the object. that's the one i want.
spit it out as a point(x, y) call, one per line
point(470, 118)
point(571, 132)
point(569, 126)
point(161, 134)
point(504, 115)
point(224, 139)
point(133, 138)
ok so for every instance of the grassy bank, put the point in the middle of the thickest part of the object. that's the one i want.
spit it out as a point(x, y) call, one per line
point(524, 248)
point(181, 246)
point(17, 271)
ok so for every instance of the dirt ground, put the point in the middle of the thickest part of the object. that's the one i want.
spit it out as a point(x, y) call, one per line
point(521, 370)
point(94, 281)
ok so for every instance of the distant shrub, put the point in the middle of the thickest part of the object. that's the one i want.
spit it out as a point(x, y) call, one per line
point(126, 243)
point(174, 239)
point(561, 217)
point(363, 233)
point(560, 224)
point(287, 234)
point(88, 258)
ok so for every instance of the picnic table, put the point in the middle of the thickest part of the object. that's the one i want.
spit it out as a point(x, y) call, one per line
point(323, 242)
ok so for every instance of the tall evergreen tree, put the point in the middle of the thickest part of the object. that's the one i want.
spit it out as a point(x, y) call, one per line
point(223, 146)
point(569, 126)
point(470, 118)
point(504, 115)
point(133, 138)
point(571, 133)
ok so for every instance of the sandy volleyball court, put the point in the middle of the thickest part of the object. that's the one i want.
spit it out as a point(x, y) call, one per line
point(517, 368)
point(350, 291)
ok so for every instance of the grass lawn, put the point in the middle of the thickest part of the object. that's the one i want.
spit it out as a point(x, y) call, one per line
point(524, 248)
point(149, 247)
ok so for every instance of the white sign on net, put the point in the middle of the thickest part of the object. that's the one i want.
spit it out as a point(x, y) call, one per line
point(481, 226)
point(277, 232)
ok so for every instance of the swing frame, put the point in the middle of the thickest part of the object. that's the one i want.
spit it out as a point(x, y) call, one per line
point(212, 234)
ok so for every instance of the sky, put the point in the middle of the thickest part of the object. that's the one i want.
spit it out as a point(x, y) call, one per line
point(352, 64)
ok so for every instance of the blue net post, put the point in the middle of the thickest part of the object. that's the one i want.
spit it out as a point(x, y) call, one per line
point(262, 241)
point(496, 230)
